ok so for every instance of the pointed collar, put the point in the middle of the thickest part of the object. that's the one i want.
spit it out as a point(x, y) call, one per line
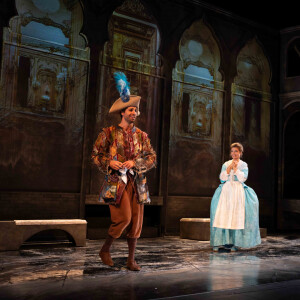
point(133, 129)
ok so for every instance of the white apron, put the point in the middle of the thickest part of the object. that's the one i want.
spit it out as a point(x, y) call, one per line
point(230, 213)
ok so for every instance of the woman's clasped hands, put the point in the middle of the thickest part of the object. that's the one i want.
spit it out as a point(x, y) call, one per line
point(232, 166)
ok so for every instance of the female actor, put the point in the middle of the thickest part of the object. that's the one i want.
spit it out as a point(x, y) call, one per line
point(234, 207)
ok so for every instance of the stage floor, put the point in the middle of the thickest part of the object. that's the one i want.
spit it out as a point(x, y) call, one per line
point(171, 267)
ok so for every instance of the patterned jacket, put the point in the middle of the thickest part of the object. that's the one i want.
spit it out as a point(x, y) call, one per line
point(114, 143)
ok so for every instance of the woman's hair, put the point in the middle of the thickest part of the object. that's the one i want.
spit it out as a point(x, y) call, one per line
point(239, 146)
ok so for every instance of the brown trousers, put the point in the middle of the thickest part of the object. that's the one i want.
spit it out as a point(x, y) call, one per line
point(129, 214)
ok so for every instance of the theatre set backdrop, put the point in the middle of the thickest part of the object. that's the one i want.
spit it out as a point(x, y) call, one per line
point(206, 79)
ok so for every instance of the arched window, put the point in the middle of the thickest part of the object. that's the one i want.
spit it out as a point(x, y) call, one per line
point(197, 85)
point(251, 98)
point(44, 74)
point(196, 112)
point(42, 60)
point(252, 108)
point(132, 48)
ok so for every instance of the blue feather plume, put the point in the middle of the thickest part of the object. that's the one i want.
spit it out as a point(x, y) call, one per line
point(122, 86)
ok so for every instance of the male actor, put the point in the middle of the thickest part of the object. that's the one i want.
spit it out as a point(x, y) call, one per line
point(124, 154)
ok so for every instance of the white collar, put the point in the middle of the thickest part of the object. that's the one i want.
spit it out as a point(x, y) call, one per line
point(230, 161)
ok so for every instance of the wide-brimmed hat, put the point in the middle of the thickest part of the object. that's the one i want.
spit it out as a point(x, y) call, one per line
point(119, 105)
point(125, 100)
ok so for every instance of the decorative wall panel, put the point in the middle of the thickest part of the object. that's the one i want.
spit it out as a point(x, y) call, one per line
point(196, 114)
point(132, 48)
point(44, 74)
point(251, 113)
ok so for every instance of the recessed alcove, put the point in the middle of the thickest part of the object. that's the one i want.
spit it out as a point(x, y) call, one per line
point(50, 237)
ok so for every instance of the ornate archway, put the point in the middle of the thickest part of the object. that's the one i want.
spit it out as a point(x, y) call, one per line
point(196, 113)
point(44, 74)
point(132, 48)
point(252, 109)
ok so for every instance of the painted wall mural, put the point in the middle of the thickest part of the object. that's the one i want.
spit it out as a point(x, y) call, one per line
point(132, 48)
point(251, 111)
point(43, 81)
point(196, 114)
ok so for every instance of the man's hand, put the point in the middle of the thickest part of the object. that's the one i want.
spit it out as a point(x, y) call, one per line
point(116, 165)
point(129, 164)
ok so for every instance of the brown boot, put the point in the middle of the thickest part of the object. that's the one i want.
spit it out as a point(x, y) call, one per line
point(104, 252)
point(131, 263)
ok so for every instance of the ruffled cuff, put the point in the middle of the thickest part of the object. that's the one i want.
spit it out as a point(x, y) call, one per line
point(224, 176)
point(140, 165)
point(240, 175)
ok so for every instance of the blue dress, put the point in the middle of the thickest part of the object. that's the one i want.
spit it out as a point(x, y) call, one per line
point(250, 235)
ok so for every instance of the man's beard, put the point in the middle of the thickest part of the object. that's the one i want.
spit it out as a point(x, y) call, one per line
point(130, 120)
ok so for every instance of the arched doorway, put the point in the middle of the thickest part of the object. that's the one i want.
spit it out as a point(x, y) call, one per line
point(43, 92)
point(196, 113)
point(252, 108)
point(43, 84)
point(132, 48)
point(195, 144)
